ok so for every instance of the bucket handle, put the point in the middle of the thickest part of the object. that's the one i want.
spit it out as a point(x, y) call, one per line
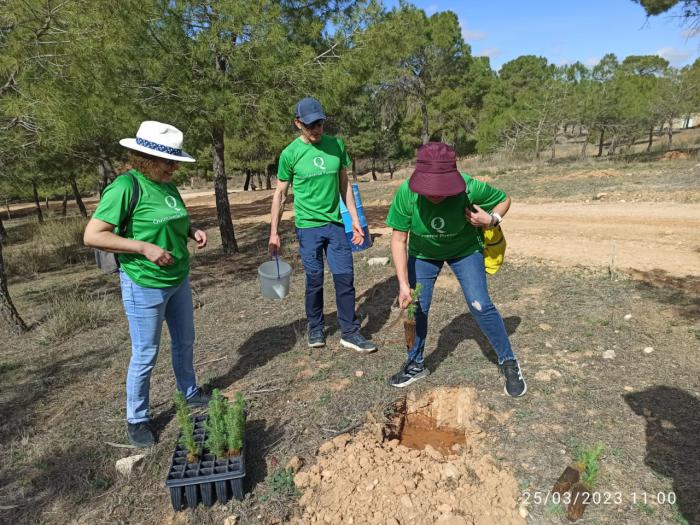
point(277, 261)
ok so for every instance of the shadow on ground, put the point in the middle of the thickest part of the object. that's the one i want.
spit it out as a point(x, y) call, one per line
point(462, 328)
point(673, 449)
point(268, 343)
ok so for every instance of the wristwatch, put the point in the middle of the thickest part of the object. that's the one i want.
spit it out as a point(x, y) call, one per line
point(496, 219)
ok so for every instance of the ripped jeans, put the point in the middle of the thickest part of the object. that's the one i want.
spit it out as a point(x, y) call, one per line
point(470, 273)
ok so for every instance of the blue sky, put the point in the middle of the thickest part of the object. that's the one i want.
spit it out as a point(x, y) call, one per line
point(565, 31)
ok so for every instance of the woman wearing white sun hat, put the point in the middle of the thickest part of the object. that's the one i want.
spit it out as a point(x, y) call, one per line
point(154, 266)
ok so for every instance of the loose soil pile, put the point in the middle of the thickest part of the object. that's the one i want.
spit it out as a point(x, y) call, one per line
point(375, 478)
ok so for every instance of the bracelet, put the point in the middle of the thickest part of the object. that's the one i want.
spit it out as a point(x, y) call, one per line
point(496, 219)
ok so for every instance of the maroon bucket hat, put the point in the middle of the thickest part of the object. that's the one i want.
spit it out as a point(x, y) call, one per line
point(436, 173)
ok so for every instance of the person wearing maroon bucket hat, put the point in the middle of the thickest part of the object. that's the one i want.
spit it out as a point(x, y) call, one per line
point(437, 217)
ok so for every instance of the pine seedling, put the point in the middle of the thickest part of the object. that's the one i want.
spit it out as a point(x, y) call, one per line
point(184, 419)
point(216, 424)
point(235, 425)
point(411, 308)
point(588, 465)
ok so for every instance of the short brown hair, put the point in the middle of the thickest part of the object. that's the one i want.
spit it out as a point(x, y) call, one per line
point(141, 162)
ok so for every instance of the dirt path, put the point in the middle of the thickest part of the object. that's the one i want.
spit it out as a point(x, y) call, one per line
point(640, 236)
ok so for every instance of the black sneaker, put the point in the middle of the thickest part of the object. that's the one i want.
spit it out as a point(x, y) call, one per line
point(200, 399)
point(515, 384)
point(359, 343)
point(140, 434)
point(317, 339)
point(410, 372)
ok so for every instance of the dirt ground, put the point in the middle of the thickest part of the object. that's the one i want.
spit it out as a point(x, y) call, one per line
point(601, 300)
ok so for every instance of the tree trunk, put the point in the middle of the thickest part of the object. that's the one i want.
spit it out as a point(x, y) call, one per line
point(64, 204)
point(600, 143)
point(554, 142)
point(392, 167)
point(3, 232)
point(78, 199)
point(268, 176)
point(354, 171)
point(670, 133)
point(584, 148)
point(613, 146)
point(425, 132)
point(104, 176)
point(223, 208)
point(47, 202)
point(39, 214)
point(257, 174)
point(8, 312)
point(374, 173)
point(7, 207)
point(651, 138)
point(248, 179)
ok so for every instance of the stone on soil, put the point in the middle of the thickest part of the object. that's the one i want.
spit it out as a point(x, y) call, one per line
point(126, 466)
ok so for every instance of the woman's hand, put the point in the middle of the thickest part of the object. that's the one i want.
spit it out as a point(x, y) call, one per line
point(156, 254)
point(200, 236)
point(405, 298)
point(480, 218)
point(358, 234)
point(274, 245)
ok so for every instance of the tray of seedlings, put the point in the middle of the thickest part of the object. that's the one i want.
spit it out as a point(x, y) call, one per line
point(208, 463)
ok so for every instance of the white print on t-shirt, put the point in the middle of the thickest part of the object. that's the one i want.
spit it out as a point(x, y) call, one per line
point(438, 224)
point(171, 202)
point(320, 163)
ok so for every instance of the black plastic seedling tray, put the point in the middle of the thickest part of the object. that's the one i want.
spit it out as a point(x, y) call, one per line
point(208, 480)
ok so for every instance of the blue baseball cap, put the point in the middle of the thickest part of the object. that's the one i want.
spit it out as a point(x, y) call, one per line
point(309, 110)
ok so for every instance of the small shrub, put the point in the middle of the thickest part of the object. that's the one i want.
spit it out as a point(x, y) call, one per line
point(588, 465)
point(280, 485)
point(235, 425)
point(184, 419)
point(411, 308)
point(216, 424)
point(73, 313)
point(47, 247)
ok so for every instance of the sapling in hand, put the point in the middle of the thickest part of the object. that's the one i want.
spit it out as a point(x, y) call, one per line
point(184, 419)
point(409, 324)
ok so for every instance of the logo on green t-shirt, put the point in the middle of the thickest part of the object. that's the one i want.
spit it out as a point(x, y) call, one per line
point(314, 172)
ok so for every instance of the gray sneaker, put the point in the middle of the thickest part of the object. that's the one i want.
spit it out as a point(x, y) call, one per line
point(358, 343)
point(200, 399)
point(409, 373)
point(515, 383)
point(140, 434)
point(317, 339)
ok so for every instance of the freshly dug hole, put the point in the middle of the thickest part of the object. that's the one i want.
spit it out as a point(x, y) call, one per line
point(372, 478)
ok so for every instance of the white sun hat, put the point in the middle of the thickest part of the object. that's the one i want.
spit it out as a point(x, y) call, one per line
point(158, 139)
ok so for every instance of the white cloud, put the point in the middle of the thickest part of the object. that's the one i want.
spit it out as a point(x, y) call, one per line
point(690, 32)
point(592, 61)
point(471, 34)
point(673, 55)
point(489, 52)
point(431, 9)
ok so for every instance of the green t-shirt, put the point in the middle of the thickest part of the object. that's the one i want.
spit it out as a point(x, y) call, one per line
point(441, 231)
point(313, 170)
point(160, 217)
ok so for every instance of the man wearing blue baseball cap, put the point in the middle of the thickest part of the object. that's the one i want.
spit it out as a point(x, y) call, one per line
point(315, 165)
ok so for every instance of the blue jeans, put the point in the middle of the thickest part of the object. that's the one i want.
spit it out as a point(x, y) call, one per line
point(470, 273)
point(146, 308)
point(329, 240)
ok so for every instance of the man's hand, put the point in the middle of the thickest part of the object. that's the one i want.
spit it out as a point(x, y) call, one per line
point(358, 234)
point(200, 236)
point(404, 297)
point(156, 254)
point(479, 219)
point(274, 246)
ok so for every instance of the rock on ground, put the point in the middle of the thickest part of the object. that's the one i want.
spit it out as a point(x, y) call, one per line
point(125, 466)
